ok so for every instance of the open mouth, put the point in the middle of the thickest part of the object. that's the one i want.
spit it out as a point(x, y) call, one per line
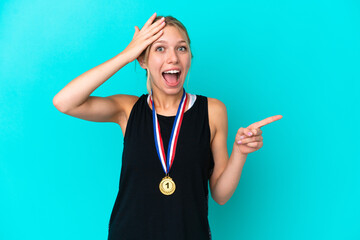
point(172, 76)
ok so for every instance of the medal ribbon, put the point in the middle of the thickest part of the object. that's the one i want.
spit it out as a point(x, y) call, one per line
point(174, 134)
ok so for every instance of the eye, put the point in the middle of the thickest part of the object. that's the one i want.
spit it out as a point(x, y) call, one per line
point(183, 48)
point(158, 48)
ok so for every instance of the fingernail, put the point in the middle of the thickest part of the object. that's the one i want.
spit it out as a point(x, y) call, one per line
point(250, 133)
point(239, 142)
point(162, 18)
point(242, 137)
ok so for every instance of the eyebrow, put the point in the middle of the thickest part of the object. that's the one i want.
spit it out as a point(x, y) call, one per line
point(163, 41)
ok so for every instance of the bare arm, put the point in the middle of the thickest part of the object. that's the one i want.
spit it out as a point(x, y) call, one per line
point(78, 90)
point(74, 99)
point(227, 171)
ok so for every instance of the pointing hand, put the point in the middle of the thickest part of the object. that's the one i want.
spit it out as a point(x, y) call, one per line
point(249, 139)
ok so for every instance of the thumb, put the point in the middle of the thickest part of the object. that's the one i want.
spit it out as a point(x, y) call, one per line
point(136, 30)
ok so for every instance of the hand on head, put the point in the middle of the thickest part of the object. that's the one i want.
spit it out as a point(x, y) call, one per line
point(149, 33)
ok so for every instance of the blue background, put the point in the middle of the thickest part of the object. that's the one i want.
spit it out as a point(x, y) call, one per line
point(59, 175)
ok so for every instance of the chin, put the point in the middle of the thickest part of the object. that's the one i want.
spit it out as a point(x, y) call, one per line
point(173, 91)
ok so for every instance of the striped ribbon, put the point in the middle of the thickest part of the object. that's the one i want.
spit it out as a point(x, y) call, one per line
point(167, 162)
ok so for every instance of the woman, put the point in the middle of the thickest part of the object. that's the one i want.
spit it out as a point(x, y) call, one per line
point(174, 142)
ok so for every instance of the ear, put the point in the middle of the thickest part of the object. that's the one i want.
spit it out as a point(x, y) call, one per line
point(141, 62)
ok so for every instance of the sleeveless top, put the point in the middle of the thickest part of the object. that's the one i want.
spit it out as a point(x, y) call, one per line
point(141, 211)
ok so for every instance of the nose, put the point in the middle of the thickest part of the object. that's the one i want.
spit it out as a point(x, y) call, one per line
point(172, 56)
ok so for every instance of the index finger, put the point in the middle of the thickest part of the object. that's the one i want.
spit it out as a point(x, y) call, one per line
point(149, 21)
point(266, 121)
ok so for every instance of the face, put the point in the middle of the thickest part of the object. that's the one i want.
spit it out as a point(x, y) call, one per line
point(169, 52)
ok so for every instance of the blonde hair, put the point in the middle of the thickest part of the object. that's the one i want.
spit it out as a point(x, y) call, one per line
point(169, 21)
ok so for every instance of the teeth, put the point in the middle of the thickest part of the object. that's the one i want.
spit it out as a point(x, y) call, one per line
point(172, 71)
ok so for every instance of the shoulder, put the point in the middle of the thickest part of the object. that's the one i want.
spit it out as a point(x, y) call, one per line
point(125, 103)
point(217, 110)
point(216, 105)
point(217, 116)
point(124, 99)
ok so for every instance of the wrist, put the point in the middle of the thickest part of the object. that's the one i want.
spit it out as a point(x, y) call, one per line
point(124, 58)
point(237, 151)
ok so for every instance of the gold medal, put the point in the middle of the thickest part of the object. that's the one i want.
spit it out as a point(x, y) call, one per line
point(167, 186)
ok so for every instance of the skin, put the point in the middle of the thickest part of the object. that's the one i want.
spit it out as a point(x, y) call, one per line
point(167, 51)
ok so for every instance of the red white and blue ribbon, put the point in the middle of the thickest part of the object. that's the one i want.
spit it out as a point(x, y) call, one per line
point(167, 161)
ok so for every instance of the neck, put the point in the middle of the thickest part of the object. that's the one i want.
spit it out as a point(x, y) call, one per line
point(166, 103)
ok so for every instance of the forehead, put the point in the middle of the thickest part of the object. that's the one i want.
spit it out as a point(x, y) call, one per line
point(171, 35)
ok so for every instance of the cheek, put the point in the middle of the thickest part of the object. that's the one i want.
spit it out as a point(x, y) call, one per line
point(187, 61)
point(155, 63)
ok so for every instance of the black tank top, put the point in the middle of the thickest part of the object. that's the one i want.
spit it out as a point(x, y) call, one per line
point(141, 211)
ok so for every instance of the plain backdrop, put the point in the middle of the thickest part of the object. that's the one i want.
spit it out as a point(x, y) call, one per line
point(59, 175)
